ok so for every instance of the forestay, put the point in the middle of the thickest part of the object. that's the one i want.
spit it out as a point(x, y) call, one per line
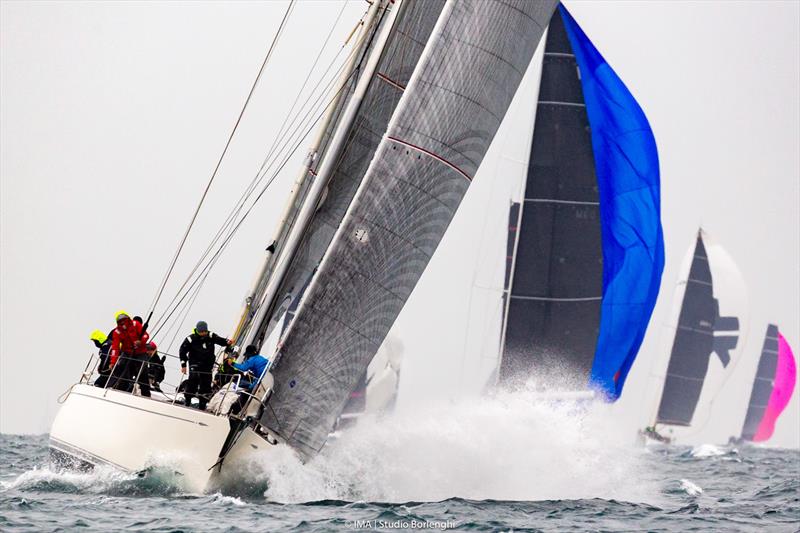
point(435, 142)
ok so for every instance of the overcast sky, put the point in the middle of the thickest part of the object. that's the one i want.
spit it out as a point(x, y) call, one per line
point(112, 117)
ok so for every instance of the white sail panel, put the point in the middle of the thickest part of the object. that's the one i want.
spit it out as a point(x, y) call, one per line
point(436, 140)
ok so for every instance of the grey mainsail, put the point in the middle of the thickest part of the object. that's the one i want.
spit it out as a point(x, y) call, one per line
point(436, 140)
point(553, 313)
point(412, 29)
point(763, 383)
point(695, 343)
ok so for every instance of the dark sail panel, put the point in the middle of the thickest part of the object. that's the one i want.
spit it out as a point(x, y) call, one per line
point(694, 341)
point(511, 242)
point(763, 383)
point(554, 311)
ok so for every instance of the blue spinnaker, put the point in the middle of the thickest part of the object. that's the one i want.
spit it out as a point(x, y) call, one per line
point(626, 163)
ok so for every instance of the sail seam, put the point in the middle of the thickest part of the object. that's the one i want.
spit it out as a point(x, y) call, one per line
point(390, 81)
point(553, 102)
point(701, 282)
point(431, 154)
point(704, 332)
point(554, 201)
point(344, 324)
point(549, 299)
point(679, 376)
point(398, 237)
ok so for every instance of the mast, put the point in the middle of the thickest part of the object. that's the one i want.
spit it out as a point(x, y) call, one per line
point(317, 188)
point(448, 114)
point(280, 243)
point(506, 295)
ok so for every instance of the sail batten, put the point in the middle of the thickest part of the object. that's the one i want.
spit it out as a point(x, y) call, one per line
point(451, 108)
point(704, 339)
point(589, 254)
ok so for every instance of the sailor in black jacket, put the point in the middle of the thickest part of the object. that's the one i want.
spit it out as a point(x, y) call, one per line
point(198, 351)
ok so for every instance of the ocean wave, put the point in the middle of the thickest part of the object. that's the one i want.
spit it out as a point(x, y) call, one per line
point(690, 488)
point(100, 480)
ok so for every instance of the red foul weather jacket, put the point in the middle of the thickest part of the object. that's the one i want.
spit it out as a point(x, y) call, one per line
point(125, 336)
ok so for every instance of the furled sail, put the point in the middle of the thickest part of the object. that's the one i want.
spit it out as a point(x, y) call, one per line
point(703, 338)
point(411, 31)
point(446, 119)
point(772, 387)
point(589, 256)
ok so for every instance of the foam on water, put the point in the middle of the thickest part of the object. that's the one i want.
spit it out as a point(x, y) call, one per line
point(510, 447)
point(691, 488)
point(101, 480)
point(707, 450)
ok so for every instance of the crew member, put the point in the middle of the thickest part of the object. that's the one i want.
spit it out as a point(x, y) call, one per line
point(197, 351)
point(253, 367)
point(103, 343)
point(128, 355)
point(155, 367)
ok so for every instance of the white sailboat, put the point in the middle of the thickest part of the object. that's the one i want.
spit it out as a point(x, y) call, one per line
point(703, 342)
point(415, 110)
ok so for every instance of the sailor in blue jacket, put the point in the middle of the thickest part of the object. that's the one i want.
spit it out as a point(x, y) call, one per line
point(253, 364)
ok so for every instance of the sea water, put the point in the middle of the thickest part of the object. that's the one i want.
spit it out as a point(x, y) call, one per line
point(503, 464)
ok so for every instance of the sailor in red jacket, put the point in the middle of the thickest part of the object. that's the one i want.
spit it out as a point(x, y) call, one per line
point(128, 355)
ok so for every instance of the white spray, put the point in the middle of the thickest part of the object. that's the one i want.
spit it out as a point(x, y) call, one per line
point(509, 447)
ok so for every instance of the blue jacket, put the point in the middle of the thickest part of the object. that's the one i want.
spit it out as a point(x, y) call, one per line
point(256, 364)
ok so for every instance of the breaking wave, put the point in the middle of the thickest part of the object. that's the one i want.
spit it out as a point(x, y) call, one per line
point(708, 450)
point(509, 447)
point(101, 480)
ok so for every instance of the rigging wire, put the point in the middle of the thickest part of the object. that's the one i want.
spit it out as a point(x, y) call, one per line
point(304, 129)
point(267, 165)
point(233, 231)
point(261, 175)
point(282, 25)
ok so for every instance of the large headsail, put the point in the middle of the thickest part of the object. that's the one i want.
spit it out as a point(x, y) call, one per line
point(436, 139)
point(588, 260)
point(703, 338)
point(772, 387)
point(398, 59)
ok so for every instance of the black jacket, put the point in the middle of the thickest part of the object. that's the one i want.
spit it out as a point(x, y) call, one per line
point(199, 350)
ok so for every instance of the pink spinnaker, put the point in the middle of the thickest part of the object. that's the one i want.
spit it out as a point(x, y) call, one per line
point(785, 376)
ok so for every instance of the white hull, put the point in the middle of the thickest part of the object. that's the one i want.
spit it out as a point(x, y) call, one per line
point(109, 427)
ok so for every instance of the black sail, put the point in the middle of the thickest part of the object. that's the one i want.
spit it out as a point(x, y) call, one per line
point(553, 315)
point(695, 343)
point(763, 383)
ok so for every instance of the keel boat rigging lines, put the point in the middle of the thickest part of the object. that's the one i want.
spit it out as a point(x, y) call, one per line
point(360, 226)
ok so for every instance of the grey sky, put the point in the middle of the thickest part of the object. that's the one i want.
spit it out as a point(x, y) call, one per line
point(113, 116)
